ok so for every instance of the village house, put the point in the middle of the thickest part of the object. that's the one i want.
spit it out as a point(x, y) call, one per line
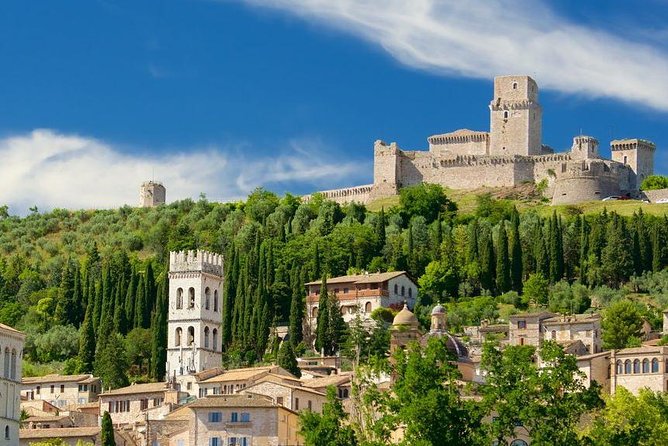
point(70, 435)
point(289, 395)
point(231, 420)
point(363, 293)
point(235, 380)
point(63, 391)
point(138, 402)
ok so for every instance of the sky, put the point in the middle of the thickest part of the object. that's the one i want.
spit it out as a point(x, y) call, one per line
point(221, 96)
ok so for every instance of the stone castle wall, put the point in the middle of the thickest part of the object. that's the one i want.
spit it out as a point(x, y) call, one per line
point(356, 194)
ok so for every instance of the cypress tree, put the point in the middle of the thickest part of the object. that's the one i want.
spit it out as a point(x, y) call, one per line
point(487, 262)
point(287, 359)
point(87, 342)
point(129, 306)
point(336, 327)
point(140, 304)
point(120, 325)
point(159, 332)
point(79, 306)
point(503, 282)
point(150, 291)
point(66, 306)
point(379, 229)
point(657, 248)
point(322, 340)
point(295, 331)
point(107, 431)
point(472, 252)
point(316, 260)
point(584, 250)
point(516, 268)
point(229, 292)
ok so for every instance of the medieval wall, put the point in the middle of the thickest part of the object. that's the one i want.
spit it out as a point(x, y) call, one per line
point(356, 194)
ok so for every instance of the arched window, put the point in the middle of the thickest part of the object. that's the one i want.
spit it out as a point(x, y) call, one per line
point(191, 336)
point(13, 365)
point(314, 312)
point(514, 85)
point(655, 365)
point(403, 290)
point(636, 366)
point(505, 114)
point(367, 307)
point(645, 365)
point(396, 289)
point(6, 374)
point(207, 298)
point(215, 340)
point(6, 432)
point(206, 337)
point(191, 297)
point(620, 368)
point(410, 292)
point(179, 298)
point(627, 366)
point(215, 300)
point(343, 310)
point(177, 337)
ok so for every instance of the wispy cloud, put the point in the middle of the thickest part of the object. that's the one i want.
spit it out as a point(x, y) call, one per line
point(50, 169)
point(484, 38)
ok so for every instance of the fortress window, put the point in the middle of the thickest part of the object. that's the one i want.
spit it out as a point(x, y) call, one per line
point(215, 300)
point(514, 85)
point(179, 298)
point(191, 297)
point(505, 114)
point(625, 159)
point(207, 298)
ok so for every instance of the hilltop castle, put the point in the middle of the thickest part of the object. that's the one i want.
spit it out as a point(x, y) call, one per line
point(511, 153)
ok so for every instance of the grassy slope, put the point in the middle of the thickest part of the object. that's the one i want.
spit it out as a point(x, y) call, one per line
point(466, 201)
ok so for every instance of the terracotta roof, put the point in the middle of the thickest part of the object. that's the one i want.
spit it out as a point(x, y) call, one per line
point(539, 314)
point(46, 419)
point(208, 373)
point(361, 278)
point(64, 432)
point(56, 378)
point(332, 380)
point(240, 374)
point(236, 400)
point(138, 388)
point(572, 319)
point(249, 389)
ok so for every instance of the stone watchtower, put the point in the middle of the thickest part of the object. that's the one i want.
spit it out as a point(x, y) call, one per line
point(195, 312)
point(638, 154)
point(151, 194)
point(515, 117)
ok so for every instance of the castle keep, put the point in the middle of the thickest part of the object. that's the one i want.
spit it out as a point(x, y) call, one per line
point(511, 153)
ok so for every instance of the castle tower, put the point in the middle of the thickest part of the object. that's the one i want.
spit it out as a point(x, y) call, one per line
point(151, 194)
point(515, 117)
point(638, 154)
point(195, 312)
point(584, 147)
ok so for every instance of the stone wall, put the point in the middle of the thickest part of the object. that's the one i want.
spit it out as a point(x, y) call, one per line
point(356, 194)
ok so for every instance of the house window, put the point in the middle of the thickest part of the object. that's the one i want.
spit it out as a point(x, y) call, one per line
point(245, 417)
point(143, 404)
point(296, 403)
point(234, 417)
point(215, 417)
point(403, 290)
point(367, 307)
point(37, 389)
point(645, 365)
point(521, 325)
point(62, 388)
point(214, 441)
point(345, 290)
point(655, 365)
point(410, 292)
point(396, 289)
point(636, 366)
point(279, 400)
point(52, 388)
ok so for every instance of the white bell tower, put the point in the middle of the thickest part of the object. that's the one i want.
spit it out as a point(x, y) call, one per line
point(195, 312)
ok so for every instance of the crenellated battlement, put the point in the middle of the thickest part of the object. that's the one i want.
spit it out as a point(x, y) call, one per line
point(195, 261)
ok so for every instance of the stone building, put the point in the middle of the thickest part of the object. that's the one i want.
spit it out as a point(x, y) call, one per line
point(363, 293)
point(152, 194)
point(237, 420)
point(11, 348)
point(235, 380)
point(579, 334)
point(63, 391)
point(526, 328)
point(195, 313)
point(138, 402)
point(636, 368)
point(511, 153)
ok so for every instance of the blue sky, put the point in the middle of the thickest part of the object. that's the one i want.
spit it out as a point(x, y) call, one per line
point(222, 96)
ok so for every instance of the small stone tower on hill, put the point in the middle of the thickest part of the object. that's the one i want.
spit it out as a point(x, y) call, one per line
point(638, 154)
point(151, 194)
point(515, 117)
point(195, 312)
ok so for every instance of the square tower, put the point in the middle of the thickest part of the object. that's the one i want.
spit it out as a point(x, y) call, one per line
point(151, 194)
point(515, 117)
point(584, 147)
point(195, 312)
point(638, 154)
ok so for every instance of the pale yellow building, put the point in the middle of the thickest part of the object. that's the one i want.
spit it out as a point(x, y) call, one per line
point(139, 402)
point(63, 391)
point(234, 380)
point(11, 349)
point(233, 420)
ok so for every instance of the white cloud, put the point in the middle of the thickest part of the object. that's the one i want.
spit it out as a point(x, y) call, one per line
point(484, 38)
point(49, 169)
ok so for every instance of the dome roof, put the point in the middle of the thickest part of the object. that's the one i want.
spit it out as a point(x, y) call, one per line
point(438, 309)
point(452, 343)
point(405, 317)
